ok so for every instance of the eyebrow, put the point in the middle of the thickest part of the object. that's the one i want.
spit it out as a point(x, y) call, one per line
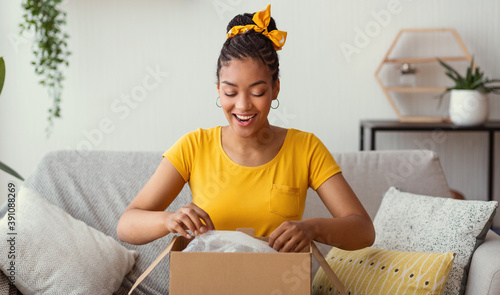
point(251, 85)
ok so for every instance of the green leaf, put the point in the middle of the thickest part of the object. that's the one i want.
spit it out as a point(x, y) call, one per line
point(471, 66)
point(476, 84)
point(449, 68)
point(10, 171)
point(469, 76)
point(452, 77)
point(2, 73)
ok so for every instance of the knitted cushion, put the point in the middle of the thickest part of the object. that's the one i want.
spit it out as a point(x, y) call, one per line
point(50, 252)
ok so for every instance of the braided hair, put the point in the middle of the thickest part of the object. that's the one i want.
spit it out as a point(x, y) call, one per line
point(249, 45)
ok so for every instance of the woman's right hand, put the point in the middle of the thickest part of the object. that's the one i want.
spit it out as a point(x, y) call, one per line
point(189, 217)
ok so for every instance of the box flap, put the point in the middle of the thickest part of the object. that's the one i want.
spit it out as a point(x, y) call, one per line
point(328, 271)
point(174, 242)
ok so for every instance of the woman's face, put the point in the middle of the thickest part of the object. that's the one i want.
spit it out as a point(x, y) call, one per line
point(246, 90)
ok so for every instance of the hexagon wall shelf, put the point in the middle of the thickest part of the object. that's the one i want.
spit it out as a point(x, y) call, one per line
point(418, 60)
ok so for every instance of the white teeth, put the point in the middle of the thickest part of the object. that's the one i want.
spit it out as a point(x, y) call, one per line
point(244, 117)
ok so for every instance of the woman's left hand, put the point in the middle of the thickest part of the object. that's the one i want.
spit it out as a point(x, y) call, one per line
point(291, 236)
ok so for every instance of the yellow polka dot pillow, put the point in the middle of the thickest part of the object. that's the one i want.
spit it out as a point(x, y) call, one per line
point(374, 271)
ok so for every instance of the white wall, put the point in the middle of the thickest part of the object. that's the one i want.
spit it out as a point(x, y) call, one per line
point(115, 42)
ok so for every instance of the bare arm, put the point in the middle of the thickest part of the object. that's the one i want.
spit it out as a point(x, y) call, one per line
point(145, 220)
point(351, 228)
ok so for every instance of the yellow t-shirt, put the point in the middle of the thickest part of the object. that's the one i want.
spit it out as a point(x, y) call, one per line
point(259, 197)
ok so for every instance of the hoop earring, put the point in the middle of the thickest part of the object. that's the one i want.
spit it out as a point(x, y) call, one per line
point(216, 100)
point(277, 105)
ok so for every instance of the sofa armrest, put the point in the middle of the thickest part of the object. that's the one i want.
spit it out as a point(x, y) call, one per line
point(484, 273)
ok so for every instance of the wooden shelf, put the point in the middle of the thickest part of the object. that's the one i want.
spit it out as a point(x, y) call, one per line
point(388, 89)
point(417, 119)
point(425, 59)
point(416, 89)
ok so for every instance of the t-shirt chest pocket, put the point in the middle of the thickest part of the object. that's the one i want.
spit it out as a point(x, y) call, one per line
point(284, 200)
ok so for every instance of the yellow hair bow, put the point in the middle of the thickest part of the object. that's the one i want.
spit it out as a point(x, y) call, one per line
point(261, 20)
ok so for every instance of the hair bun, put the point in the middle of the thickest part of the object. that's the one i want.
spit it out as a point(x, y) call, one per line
point(246, 19)
point(240, 20)
point(252, 44)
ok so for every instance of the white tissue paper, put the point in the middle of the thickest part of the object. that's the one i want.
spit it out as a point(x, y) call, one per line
point(227, 241)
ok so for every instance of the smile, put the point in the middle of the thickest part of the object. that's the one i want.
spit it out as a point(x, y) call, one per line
point(244, 118)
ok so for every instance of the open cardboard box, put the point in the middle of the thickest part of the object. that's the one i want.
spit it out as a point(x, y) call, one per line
point(219, 273)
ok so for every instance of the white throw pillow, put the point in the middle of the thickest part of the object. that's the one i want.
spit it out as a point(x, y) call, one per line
point(409, 222)
point(57, 254)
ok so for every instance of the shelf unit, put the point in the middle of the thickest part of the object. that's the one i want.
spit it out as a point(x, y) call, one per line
point(434, 89)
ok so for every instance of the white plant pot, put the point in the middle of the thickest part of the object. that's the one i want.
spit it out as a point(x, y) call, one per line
point(468, 107)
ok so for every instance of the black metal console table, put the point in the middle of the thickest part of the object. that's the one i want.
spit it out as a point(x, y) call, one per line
point(373, 126)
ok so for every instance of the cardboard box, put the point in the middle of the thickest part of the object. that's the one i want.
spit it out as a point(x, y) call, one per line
point(212, 273)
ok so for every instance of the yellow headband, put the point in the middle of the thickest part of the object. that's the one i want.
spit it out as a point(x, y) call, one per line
point(261, 20)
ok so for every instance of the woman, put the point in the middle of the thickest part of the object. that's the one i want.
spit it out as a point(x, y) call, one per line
point(249, 173)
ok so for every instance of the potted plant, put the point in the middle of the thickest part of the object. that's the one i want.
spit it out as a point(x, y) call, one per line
point(2, 79)
point(469, 97)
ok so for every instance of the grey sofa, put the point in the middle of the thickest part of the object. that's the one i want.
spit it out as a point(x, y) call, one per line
point(96, 187)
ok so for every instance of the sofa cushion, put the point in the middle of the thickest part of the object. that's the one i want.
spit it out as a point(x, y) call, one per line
point(96, 187)
point(50, 252)
point(371, 173)
point(376, 271)
point(410, 222)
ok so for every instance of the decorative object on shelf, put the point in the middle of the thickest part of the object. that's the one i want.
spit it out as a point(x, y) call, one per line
point(456, 195)
point(407, 73)
point(469, 97)
point(4, 167)
point(407, 76)
point(51, 49)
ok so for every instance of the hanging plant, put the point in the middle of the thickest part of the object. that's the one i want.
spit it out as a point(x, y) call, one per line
point(50, 48)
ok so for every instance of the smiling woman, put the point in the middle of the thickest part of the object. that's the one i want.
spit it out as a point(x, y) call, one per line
point(249, 173)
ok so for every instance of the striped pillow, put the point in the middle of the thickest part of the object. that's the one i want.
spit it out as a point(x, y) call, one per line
point(375, 271)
